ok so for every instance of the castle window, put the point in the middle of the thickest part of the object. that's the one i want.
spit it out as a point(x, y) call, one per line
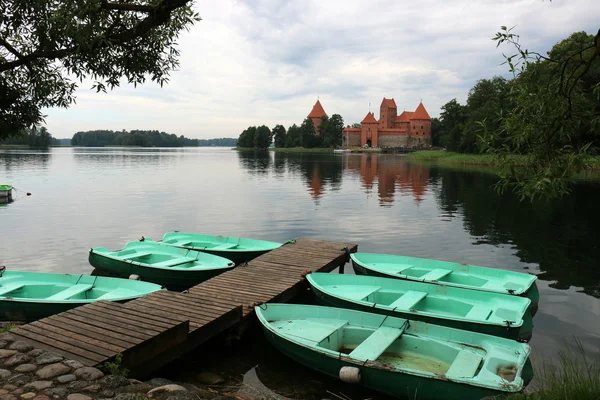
point(421, 126)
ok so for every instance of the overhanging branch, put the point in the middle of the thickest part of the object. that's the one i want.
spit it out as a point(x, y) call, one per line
point(159, 15)
point(127, 7)
point(10, 48)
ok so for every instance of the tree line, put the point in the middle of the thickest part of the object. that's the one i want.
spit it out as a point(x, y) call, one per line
point(549, 110)
point(36, 137)
point(100, 138)
point(305, 135)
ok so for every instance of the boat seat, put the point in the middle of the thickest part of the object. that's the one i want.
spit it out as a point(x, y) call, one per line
point(403, 267)
point(436, 274)
point(479, 313)
point(136, 254)
point(465, 365)
point(9, 288)
point(224, 246)
point(70, 292)
point(353, 292)
point(376, 344)
point(174, 262)
point(408, 300)
point(311, 330)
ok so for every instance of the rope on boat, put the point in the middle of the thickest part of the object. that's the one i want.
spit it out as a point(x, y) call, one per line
point(291, 241)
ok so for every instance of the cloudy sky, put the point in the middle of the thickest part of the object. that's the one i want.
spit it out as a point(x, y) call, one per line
point(266, 61)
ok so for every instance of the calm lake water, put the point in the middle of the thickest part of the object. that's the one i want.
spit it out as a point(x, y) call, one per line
point(84, 198)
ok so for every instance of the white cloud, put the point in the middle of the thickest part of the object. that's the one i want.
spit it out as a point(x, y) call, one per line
point(266, 61)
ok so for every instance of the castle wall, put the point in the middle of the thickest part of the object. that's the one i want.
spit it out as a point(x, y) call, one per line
point(392, 141)
point(351, 137)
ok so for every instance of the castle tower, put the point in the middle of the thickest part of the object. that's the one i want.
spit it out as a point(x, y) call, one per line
point(368, 131)
point(316, 114)
point(387, 113)
point(420, 125)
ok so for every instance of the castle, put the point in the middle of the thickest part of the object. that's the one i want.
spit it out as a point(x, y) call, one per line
point(409, 129)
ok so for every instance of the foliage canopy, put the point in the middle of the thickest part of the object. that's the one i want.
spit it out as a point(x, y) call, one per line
point(47, 45)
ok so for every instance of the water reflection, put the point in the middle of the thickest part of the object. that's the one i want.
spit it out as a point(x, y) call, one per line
point(14, 159)
point(391, 173)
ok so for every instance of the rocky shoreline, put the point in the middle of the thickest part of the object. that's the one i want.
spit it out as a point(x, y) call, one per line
point(28, 373)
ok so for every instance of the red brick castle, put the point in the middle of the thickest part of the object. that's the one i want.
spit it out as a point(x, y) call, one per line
point(409, 129)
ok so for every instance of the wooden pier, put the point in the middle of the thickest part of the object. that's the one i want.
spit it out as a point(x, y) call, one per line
point(154, 330)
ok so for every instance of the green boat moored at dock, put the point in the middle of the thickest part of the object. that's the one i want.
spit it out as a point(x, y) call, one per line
point(169, 266)
point(28, 296)
point(238, 250)
point(399, 357)
point(449, 274)
point(477, 311)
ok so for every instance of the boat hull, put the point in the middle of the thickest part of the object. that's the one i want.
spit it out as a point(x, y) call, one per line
point(523, 332)
point(388, 381)
point(170, 279)
point(532, 294)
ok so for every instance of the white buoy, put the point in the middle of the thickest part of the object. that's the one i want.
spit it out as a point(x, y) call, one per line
point(350, 374)
point(134, 277)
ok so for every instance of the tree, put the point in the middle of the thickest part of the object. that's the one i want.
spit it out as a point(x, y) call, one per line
point(488, 100)
point(294, 136)
point(333, 131)
point(309, 138)
point(246, 139)
point(453, 118)
point(263, 137)
point(280, 135)
point(436, 130)
point(45, 44)
point(555, 120)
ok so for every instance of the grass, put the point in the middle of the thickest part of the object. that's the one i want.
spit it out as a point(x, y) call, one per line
point(448, 157)
point(574, 377)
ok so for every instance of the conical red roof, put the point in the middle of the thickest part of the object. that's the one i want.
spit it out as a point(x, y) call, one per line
point(405, 116)
point(420, 113)
point(369, 118)
point(388, 103)
point(317, 111)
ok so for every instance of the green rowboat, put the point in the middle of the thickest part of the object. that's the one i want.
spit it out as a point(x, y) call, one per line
point(238, 250)
point(169, 266)
point(399, 357)
point(6, 190)
point(28, 296)
point(484, 312)
point(449, 274)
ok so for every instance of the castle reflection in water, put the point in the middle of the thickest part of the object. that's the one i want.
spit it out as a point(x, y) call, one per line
point(386, 175)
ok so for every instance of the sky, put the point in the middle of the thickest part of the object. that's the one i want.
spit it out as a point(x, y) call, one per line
point(258, 62)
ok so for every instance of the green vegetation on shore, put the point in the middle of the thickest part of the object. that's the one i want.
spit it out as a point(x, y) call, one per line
point(305, 136)
point(575, 376)
point(548, 113)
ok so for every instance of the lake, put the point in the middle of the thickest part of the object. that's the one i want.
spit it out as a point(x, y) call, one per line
point(90, 197)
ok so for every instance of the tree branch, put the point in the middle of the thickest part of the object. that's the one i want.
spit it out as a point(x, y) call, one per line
point(159, 15)
point(127, 7)
point(10, 48)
